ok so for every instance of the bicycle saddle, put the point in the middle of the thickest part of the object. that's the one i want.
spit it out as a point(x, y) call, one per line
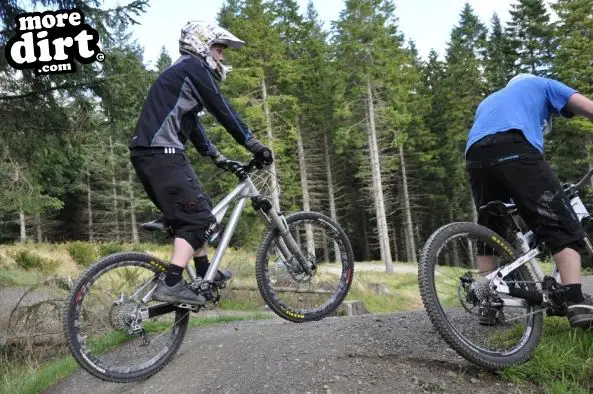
point(155, 225)
point(498, 208)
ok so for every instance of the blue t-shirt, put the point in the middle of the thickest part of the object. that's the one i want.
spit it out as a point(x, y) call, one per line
point(525, 105)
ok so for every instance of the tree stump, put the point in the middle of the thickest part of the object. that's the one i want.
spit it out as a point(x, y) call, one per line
point(377, 288)
point(351, 308)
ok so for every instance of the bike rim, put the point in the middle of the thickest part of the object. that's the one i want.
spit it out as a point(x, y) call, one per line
point(297, 293)
point(103, 316)
point(481, 325)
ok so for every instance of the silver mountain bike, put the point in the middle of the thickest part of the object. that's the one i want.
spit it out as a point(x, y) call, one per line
point(117, 332)
point(493, 318)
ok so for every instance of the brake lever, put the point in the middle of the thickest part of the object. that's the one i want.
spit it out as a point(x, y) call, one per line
point(253, 163)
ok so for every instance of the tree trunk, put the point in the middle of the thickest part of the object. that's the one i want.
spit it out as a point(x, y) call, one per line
point(470, 250)
point(455, 247)
point(365, 237)
point(89, 205)
point(406, 235)
point(330, 191)
point(407, 208)
point(39, 230)
point(124, 223)
point(304, 187)
point(394, 236)
point(114, 187)
point(378, 187)
point(135, 238)
point(325, 247)
point(473, 206)
point(268, 117)
point(23, 226)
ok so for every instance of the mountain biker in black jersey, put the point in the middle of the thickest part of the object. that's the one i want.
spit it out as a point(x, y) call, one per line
point(504, 155)
point(169, 118)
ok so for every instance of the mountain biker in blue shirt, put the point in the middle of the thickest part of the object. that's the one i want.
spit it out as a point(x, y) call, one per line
point(169, 119)
point(504, 155)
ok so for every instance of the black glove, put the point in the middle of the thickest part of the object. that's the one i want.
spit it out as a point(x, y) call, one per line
point(264, 156)
point(261, 153)
point(228, 165)
point(220, 160)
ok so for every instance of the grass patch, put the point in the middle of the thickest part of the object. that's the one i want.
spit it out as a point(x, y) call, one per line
point(34, 378)
point(110, 248)
point(31, 378)
point(28, 260)
point(562, 363)
point(83, 253)
point(16, 278)
point(241, 302)
point(197, 322)
point(392, 291)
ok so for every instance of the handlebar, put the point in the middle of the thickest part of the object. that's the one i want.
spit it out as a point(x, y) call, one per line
point(584, 180)
point(241, 169)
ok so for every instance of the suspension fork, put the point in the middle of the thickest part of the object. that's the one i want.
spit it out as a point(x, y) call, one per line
point(286, 244)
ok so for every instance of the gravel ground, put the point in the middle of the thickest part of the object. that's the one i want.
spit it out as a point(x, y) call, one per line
point(398, 353)
point(395, 353)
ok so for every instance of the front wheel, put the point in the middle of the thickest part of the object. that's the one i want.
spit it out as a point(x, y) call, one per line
point(297, 294)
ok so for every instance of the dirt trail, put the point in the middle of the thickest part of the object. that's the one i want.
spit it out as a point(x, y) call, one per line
point(396, 353)
point(386, 353)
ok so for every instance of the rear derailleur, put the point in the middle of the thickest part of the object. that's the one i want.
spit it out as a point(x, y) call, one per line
point(476, 293)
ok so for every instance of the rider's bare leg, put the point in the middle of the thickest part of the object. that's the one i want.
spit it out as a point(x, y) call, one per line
point(182, 252)
point(568, 262)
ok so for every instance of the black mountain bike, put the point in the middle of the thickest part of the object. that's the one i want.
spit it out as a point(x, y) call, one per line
point(117, 332)
point(493, 319)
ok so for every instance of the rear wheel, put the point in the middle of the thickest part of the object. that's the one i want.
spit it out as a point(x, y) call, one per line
point(290, 291)
point(103, 321)
point(490, 329)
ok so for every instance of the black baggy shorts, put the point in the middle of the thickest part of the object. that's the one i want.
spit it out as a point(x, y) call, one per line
point(172, 185)
point(506, 166)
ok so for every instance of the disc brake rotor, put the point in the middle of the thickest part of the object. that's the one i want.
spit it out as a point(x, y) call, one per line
point(294, 269)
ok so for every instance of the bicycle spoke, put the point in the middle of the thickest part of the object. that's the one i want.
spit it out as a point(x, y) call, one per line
point(108, 329)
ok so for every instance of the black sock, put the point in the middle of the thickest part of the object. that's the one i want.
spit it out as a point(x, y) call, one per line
point(573, 293)
point(202, 265)
point(174, 274)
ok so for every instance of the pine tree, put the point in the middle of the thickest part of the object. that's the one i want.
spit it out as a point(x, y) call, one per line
point(372, 103)
point(570, 146)
point(499, 60)
point(41, 142)
point(163, 61)
point(465, 56)
point(532, 36)
point(40, 124)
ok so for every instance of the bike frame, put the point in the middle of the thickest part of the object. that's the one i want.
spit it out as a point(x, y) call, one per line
point(240, 193)
point(526, 237)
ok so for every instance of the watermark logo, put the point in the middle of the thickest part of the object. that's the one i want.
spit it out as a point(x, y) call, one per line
point(50, 41)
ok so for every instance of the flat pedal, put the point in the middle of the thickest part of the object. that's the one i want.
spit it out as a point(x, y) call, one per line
point(193, 308)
